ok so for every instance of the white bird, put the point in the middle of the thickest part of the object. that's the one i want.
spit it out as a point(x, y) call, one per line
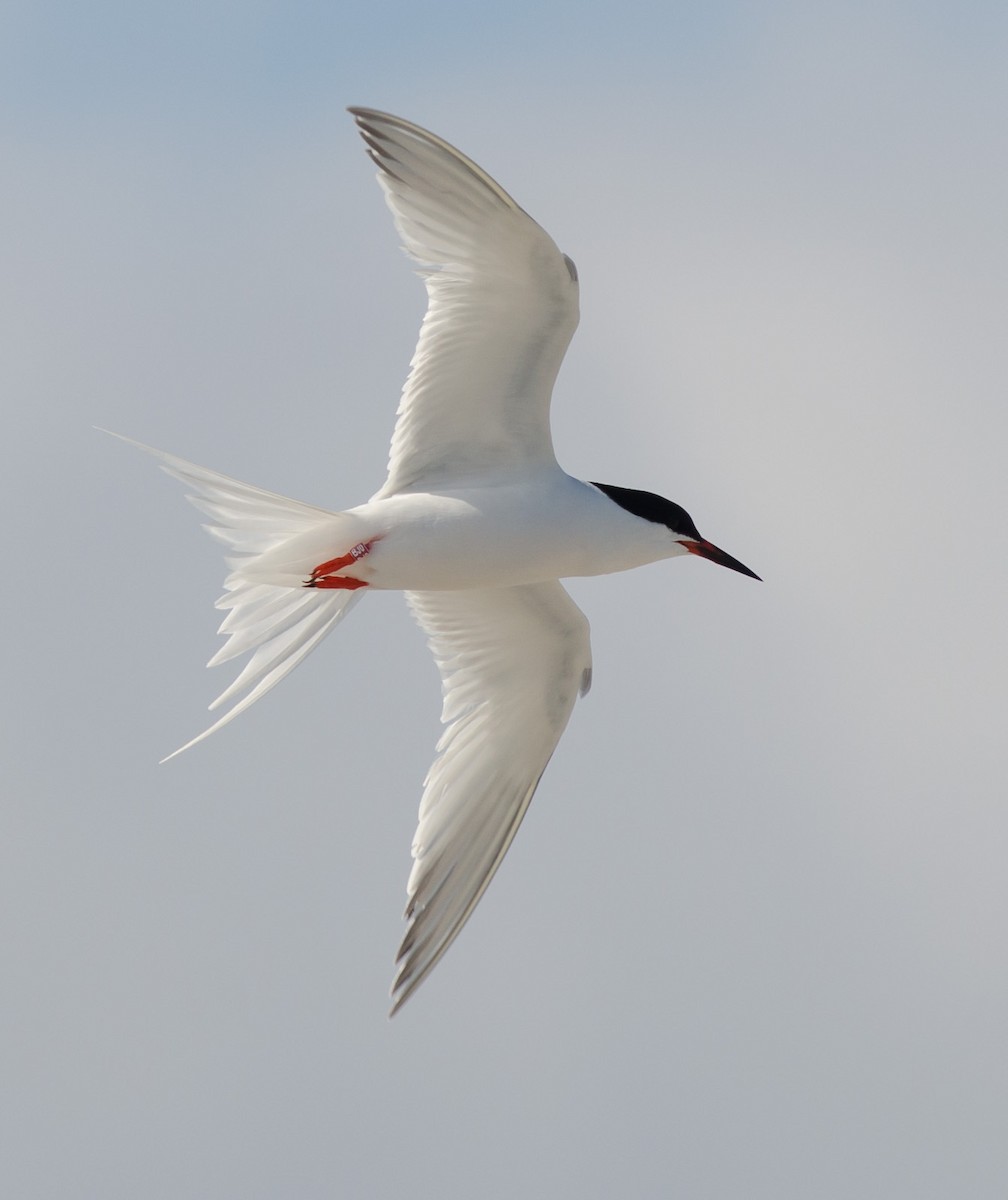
point(476, 523)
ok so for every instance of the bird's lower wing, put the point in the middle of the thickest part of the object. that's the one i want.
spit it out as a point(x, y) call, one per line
point(512, 663)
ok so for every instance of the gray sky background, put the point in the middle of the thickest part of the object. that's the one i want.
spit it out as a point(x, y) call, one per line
point(751, 938)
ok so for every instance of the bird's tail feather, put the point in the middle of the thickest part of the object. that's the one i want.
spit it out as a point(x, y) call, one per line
point(274, 543)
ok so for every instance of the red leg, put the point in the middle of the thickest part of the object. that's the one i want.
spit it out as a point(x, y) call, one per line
point(324, 575)
point(337, 581)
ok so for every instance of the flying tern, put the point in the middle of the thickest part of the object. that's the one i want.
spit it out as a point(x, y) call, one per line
point(476, 523)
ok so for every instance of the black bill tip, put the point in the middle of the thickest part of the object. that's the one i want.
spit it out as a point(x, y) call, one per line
point(707, 549)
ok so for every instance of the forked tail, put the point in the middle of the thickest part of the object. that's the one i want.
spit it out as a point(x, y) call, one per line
point(270, 612)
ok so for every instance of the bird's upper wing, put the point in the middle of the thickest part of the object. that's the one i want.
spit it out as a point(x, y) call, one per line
point(502, 308)
point(512, 662)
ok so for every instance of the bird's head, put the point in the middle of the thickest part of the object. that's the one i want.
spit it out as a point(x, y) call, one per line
point(676, 519)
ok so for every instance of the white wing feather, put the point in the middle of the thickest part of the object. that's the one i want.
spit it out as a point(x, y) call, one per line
point(512, 662)
point(502, 308)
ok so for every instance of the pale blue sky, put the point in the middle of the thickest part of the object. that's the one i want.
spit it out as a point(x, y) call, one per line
point(750, 939)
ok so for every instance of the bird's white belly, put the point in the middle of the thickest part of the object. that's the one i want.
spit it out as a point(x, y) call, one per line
point(498, 537)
